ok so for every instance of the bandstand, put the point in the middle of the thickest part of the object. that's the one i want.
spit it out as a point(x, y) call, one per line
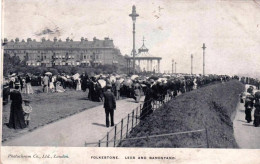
point(145, 62)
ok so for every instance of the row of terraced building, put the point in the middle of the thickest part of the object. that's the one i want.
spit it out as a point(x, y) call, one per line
point(58, 53)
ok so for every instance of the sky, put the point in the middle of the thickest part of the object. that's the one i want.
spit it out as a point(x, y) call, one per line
point(172, 29)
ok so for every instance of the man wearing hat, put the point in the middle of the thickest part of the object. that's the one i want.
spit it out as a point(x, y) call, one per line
point(118, 86)
point(109, 105)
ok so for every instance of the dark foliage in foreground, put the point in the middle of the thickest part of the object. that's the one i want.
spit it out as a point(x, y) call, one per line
point(211, 107)
point(12, 64)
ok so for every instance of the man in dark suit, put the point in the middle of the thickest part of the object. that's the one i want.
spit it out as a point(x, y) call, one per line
point(109, 105)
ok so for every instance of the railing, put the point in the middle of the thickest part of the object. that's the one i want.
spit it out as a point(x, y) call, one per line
point(148, 139)
point(126, 125)
point(200, 135)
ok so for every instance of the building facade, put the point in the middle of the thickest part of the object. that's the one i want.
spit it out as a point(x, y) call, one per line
point(59, 53)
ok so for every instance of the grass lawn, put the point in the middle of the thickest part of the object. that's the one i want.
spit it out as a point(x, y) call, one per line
point(211, 106)
point(47, 108)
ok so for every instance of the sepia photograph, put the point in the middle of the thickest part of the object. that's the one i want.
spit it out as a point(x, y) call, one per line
point(88, 75)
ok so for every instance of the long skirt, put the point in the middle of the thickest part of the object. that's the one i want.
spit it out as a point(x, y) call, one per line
point(78, 88)
point(51, 85)
point(257, 117)
point(248, 115)
point(16, 120)
point(147, 108)
point(28, 88)
point(137, 95)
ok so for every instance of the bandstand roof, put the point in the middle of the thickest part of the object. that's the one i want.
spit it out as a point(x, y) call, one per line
point(143, 54)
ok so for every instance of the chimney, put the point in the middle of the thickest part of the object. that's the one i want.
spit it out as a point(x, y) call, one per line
point(5, 40)
point(68, 39)
point(43, 39)
point(82, 39)
point(23, 40)
point(86, 39)
point(55, 39)
point(29, 40)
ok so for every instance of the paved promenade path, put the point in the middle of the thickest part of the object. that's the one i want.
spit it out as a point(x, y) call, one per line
point(247, 136)
point(87, 126)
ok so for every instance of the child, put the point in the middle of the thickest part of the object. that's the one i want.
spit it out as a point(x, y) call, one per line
point(27, 110)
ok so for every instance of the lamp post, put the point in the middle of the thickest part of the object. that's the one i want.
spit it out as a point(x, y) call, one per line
point(175, 67)
point(191, 63)
point(172, 65)
point(204, 47)
point(133, 15)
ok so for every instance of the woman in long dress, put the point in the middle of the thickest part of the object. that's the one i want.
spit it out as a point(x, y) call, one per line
point(16, 119)
point(137, 92)
point(147, 107)
point(29, 89)
point(78, 88)
point(52, 88)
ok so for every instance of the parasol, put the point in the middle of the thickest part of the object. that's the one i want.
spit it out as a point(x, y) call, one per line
point(64, 78)
point(48, 73)
point(76, 76)
point(102, 82)
point(128, 82)
point(14, 74)
point(112, 79)
point(121, 80)
point(162, 79)
point(134, 77)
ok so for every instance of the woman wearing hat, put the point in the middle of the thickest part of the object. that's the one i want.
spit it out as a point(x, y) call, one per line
point(28, 86)
point(16, 119)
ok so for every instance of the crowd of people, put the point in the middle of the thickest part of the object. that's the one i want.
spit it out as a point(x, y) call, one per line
point(251, 81)
point(155, 88)
point(252, 100)
point(122, 85)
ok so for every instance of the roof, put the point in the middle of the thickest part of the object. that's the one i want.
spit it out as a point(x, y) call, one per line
point(96, 43)
point(144, 54)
